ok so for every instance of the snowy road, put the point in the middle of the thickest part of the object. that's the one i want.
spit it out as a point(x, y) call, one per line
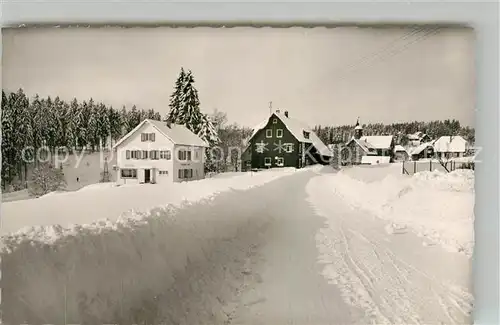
point(375, 277)
point(288, 252)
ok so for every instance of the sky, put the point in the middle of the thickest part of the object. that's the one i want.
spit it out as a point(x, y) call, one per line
point(327, 76)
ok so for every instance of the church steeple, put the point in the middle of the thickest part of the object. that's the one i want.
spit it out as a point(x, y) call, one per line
point(358, 130)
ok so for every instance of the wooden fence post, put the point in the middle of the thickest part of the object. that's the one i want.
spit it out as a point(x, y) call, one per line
point(430, 165)
point(414, 167)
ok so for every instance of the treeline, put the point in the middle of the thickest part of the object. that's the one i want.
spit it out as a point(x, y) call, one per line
point(435, 129)
point(32, 125)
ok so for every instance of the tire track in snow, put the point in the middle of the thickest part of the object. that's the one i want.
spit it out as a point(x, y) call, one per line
point(396, 291)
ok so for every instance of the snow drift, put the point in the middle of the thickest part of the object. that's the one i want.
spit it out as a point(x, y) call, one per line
point(438, 206)
point(175, 263)
point(100, 201)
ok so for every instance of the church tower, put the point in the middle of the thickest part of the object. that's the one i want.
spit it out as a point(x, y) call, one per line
point(358, 130)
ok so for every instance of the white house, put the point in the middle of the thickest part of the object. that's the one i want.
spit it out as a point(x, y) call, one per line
point(158, 152)
point(450, 146)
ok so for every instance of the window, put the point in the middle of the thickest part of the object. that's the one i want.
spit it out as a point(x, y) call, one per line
point(147, 137)
point(279, 133)
point(154, 154)
point(127, 154)
point(129, 173)
point(269, 133)
point(196, 155)
point(275, 120)
point(267, 161)
point(185, 173)
point(306, 134)
point(280, 161)
point(144, 154)
point(135, 154)
point(185, 155)
point(165, 154)
point(288, 147)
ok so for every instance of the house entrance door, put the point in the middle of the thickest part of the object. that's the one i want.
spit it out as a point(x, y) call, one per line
point(147, 175)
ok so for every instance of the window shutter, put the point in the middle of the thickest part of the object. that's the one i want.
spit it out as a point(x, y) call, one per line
point(127, 154)
point(152, 137)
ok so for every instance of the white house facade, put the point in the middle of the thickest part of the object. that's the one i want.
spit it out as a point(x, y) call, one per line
point(157, 152)
point(451, 146)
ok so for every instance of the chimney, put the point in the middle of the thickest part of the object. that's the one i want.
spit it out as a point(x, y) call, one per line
point(278, 111)
point(286, 114)
point(168, 123)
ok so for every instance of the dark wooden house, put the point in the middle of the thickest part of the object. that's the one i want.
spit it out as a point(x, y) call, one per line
point(282, 141)
point(423, 151)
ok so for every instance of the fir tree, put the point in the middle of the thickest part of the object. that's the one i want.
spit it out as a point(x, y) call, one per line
point(8, 149)
point(115, 124)
point(175, 99)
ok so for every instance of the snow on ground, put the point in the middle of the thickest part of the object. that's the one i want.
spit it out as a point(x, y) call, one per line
point(437, 206)
point(105, 201)
point(388, 273)
point(117, 268)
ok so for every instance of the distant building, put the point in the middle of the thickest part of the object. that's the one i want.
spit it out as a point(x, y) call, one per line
point(158, 152)
point(360, 146)
point(418, 138)
point(452, 146)
point(425, 150)
point(400, 153)
point(283, 141)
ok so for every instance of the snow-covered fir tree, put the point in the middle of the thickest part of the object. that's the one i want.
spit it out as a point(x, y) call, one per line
point(174, 114)
point(208, 133)
point(192, 117)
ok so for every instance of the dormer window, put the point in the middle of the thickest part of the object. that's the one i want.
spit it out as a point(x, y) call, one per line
point(306, 134)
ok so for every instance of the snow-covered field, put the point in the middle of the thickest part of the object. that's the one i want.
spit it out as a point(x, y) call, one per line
point(438, 206)
point(106, 201)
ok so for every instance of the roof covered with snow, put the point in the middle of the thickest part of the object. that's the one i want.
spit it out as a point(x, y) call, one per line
point(378, 141)
point(417, 150)
point(448, 143)
point(399, 148)
point(176, 133)
point(297, 129)
point(416, 136)
point(367, 147)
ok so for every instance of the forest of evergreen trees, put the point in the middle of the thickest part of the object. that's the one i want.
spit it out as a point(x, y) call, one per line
point(32, 125)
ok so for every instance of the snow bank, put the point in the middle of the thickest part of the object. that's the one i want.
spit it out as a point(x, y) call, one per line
point(435, 205)
point(106, 201)
point(172, 264)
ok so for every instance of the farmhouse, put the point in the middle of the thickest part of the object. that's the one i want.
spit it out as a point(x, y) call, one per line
point(450, 146)
point(159, 152)
point(282, 141)
point(360, 146)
